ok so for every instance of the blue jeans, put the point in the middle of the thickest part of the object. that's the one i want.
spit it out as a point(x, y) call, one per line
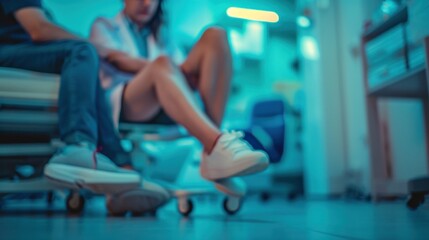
point(84, 114)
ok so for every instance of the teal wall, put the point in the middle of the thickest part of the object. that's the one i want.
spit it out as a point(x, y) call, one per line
point(77, 15)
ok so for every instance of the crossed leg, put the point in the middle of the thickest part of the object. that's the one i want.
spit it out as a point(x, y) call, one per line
point(161, 84)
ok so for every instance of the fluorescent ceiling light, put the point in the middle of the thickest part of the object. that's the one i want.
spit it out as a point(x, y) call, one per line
point(303, 21)
point(252, 14)
point(309, 48)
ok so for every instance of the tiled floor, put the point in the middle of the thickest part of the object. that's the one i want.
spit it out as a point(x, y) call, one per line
point(276, 219)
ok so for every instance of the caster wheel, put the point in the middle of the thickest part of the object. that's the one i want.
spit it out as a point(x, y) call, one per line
point(265, 197)
point(231, 205)
point(415, 201)
point(113, 212)
point(292, 196)
point(185, 207)
point(75, 203)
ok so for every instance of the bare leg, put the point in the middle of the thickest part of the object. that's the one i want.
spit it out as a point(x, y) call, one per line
point(209, 69)
point(162, 85)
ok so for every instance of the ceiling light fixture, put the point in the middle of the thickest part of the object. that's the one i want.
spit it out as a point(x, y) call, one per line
point(253, 14)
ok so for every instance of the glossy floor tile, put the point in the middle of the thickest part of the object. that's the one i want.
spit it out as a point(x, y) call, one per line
point(276, 219)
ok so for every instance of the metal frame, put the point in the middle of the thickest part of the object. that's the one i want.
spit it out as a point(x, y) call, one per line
point(24, 111)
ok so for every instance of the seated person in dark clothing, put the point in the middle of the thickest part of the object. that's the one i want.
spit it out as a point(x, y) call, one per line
point(29, 40)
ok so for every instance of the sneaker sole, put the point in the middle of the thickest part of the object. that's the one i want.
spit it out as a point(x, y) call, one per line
point(94, 180)
point(230, 187)
point(255, 169)
point(137, 201)
point(235, 171)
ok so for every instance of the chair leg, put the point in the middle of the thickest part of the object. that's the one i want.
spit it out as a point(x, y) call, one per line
point(416, 200)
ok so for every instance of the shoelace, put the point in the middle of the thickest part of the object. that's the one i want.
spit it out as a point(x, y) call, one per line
point(234, 141)
point(94, 156)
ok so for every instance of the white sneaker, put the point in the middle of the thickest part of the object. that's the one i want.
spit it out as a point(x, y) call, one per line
point(144, 199)
point(231, 186)
point(79, 166)
point(232, 156)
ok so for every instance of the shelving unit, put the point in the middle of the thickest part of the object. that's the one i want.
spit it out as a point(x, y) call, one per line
point(391, 75)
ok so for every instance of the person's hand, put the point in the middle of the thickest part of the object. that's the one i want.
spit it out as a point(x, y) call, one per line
point(115, 56)
point(125, 62)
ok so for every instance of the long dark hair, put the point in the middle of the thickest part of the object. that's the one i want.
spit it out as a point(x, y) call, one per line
point(157, 20)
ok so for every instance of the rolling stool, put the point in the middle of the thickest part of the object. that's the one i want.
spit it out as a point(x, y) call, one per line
point(418, 188)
